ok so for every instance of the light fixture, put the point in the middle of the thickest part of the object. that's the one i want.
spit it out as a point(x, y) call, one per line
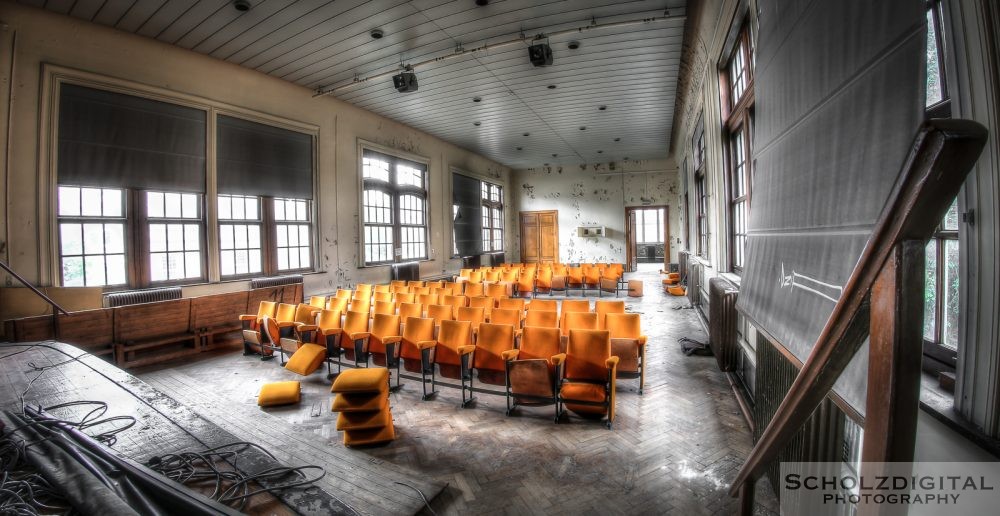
point(520, 148)
point(600, 152)
point(555, 155)
point(477, 124)
point(573, 45)
point(583, 128)
point(602, 108)
point(551, 86)
point(545, 164)
point(406, 81)
point(526, 134)
point(376, 34)
point(477, 99)
point(540, 54)
point(242, 5)
point(482, 2)
point(618, 139)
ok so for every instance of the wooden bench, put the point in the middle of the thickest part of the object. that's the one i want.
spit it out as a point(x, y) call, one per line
point(90, 330)
point(218, 315)
point(153, 332)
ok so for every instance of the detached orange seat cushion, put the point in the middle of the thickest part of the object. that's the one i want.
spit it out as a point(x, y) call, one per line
point(307, 359)
point(583, 392)
point(279, 393)
point(370, 436)
point(375, 379)
point(676, 291)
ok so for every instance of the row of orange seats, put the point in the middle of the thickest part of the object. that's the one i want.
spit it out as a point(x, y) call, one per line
point(548, 277)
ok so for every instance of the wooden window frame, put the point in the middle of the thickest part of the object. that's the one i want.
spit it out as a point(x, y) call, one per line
point(395, 192)
point(489, 224)
point(738, 122)
point(701, 205)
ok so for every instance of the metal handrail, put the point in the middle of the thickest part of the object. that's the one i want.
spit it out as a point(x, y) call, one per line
point(39, 293)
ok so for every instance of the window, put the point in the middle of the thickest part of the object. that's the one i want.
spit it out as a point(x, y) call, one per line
point(701, 203)
point(492, 217)
point(393, 209)
point(941, 301)
point(938, 100)
point(649, 226)
point(92, 236)
point(738, 124)
point(240, 242)
point(174, 224)
point(291, 217)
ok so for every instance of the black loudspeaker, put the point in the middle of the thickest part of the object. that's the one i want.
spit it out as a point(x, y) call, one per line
point(540, 54)
point(404, 82)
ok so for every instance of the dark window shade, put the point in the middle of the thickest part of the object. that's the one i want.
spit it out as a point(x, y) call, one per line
point(466, 193)
point(259, 159)
point(116, 140)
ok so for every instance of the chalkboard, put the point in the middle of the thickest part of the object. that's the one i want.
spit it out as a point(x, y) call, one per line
point(467, 198)
point(839, 96)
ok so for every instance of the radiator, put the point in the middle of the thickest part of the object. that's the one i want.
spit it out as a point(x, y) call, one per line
point(694, 270)
point(135, 297)
point(682, 264)
point(276, 281)
point(722, 322)
point(409, 271)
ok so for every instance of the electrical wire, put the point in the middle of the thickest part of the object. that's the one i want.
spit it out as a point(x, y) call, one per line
point(421, 493)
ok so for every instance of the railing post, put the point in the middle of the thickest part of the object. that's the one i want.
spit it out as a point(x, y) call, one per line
point(746, 497)
point(895, 351)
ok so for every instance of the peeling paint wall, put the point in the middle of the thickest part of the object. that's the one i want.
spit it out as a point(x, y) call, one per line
point(596, 195)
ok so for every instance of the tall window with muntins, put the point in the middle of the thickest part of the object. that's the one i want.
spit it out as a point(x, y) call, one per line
point(701, 203)
point(649, 226)
point(393, 209)
point(938, 100)
point(492, 217)
point(92, 236)
point(738, 106)
point(292, 239)
point(941, 300)
point(240, 241)
point(174, 221)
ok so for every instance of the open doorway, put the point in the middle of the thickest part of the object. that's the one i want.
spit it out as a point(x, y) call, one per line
point(647, 232)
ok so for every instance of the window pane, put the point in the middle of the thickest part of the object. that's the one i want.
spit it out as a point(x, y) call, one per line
point(225, 207)
point(930, 290)
point(239, 209)
point(279, 210)
point(71, 237)
point(116, 269)
point(114, 238)
point(254, 261)
point(192, 239)
point(72, 272)
point(375, 169)
point(175, 237)
point(300, 211)
point(189, 206)
point(951, 303)
point(69, 201)
point(250, 211)
point(282, 236)
point(112, 203)
point(93, 239)
point(154, 204)
point(94, 270)
point(192, 264)
point(304, 257)
point(227, 265)
point(283, 258)
point(950, 222)
point(226, 236)
point(934, 93)
point(253, 237)
point(172, 205)
point(91, 202)
point(158, 266)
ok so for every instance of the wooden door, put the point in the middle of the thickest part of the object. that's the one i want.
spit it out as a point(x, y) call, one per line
point(631, 257)
point(539, 236)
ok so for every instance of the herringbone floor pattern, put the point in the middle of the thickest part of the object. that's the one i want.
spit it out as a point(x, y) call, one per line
point(673, 450)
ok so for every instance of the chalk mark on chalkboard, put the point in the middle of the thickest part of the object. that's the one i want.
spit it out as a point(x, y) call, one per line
point(803, 282)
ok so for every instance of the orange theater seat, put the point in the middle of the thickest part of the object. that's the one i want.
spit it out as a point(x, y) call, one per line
point(384, 339)
point(475, 316)
point(533, 369)
point(603, 308)
point(356, 331)
point(493, 341)
point(546, 305)
point(588, 384)
point(417, 348)
point(629, 345)
point(252, 324)
point(452, 354)
point(543, 318)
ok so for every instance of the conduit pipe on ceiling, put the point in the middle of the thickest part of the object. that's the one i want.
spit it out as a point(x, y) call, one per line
point(459, 52)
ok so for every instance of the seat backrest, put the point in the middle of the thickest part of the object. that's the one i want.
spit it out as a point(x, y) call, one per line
point(317, 302)
point(457, 289)
point(451, 336)
point(493, 340)
point(483, 302)
point(512, 303)
point(575, 275)
point(578, 321)
point(407, 310)
point(285, 312)
point(464, 273)
point(509, 276)
point(305, 314)
point(385, 307)
point(440, 313)
point(473, 289)
point(363, 287)
point(404, 297)
point(592, 275)
point(547, 305)
point(427, 299)
point(328, 320)
point(545, 275)
point(397, 283)
point(505, 316)
point(496, 291)
point(417, 329)
point(385, 325)
point(475, 277)
point(266, 309)
point(475, 315)
point(419, 291)
point(603, 308)
point(491, 275)
point(382, 296)
point(337, 304)
point(558, 269)
point(355, 322)
point(344, 293)
point(381, 288)
point(586, 355)
point(624, 326)
point(538, 342)
point(361, 305)
point(575, 305)
point(456, 301)
point(435, 284)
point(414, 283)
point(399, 289)
point(543, 318)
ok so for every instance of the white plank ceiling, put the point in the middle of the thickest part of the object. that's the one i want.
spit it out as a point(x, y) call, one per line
point(324, 44)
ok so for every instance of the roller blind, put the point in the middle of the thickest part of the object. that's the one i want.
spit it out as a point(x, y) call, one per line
point(839, 97)
point(259, 159)
point(116, 140)
point(466, 193)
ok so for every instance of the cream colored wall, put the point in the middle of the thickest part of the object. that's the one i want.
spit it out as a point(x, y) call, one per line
point(32, 38)
point(597, 194)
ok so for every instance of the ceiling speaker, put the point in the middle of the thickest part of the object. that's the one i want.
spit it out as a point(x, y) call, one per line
point(540, 54)
point(405, 82)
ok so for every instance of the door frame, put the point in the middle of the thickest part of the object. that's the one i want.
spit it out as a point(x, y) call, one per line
point(630, 236)
point(520, 234)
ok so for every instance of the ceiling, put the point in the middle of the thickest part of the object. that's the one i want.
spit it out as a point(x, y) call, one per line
point(630, 70)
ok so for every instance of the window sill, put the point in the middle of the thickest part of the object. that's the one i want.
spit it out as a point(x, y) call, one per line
point(731, 277)
point(377, 265)
point(940, 405)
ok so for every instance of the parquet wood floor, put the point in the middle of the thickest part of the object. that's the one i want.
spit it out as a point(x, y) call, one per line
point(673, 450)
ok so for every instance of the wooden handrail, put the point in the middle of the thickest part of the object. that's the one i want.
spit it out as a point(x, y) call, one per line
point(942, 154)
point(39, 293)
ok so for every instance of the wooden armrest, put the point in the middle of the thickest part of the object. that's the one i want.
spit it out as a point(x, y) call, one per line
point(248, 317)
point(330, 331)
point(510, 354)
point(611, 362)
point(392, 339)
point(426, 344)
point(465, 350)
point(557, 359)
point(285, 324)
point(359, 335)
point(305, 327)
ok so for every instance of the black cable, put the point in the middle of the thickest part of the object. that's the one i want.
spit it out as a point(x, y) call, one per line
point(421, 493)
